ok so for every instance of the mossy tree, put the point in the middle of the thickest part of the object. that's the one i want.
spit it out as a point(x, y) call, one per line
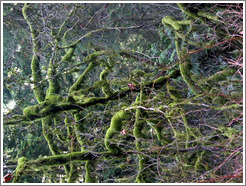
point(117, 113)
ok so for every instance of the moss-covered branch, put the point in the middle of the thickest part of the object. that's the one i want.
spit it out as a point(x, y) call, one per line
point(79, 129)
point(106, 87)
point(63, 159)
point(56, 105)
point(54, 87)
point(90, 167)
point(92, 58)
point(48, 134)
point(35, 66)
point(139, 125)
point(114, 129)
point(201, 87)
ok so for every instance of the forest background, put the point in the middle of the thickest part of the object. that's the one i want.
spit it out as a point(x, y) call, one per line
point(123, 92)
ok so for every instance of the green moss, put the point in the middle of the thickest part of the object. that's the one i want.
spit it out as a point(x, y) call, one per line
point(91, 100)
point(229, 132)
point(106, 87)
point(142, 176)
point(35, 66)
point(73, 173)
point(186, 64)
point(93, 57)
point(22, 161)
point(89, 167)
point(31, 111)
point(198, 164)
point(185, 68)
point(53, 98)
point(139, 125)
point(47, 108)
point(20, 169)
point(37, 78)
point(48, 135)
point(63, 159)
point(171, 21)
point(68, 124)
point(114, 129)
point(104, 74)
point(173, 92)
point(79, 128)
point(188, 130)
point(229, 107)
point(54, 85)
point(220, 76)
point(79, 83)
point(176, 25)
point(76, 96)
point(68, 56)
point(208, 15)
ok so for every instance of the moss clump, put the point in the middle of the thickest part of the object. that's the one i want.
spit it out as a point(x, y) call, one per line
point(92, 100)
point(31, 111)
point(144, 173)
point(22, 161)
point(115, 127)
point(158, 127)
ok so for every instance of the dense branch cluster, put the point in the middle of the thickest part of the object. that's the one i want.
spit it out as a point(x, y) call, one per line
point(115, 109)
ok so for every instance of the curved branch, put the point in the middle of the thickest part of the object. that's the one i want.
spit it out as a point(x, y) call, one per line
point(36, 72)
